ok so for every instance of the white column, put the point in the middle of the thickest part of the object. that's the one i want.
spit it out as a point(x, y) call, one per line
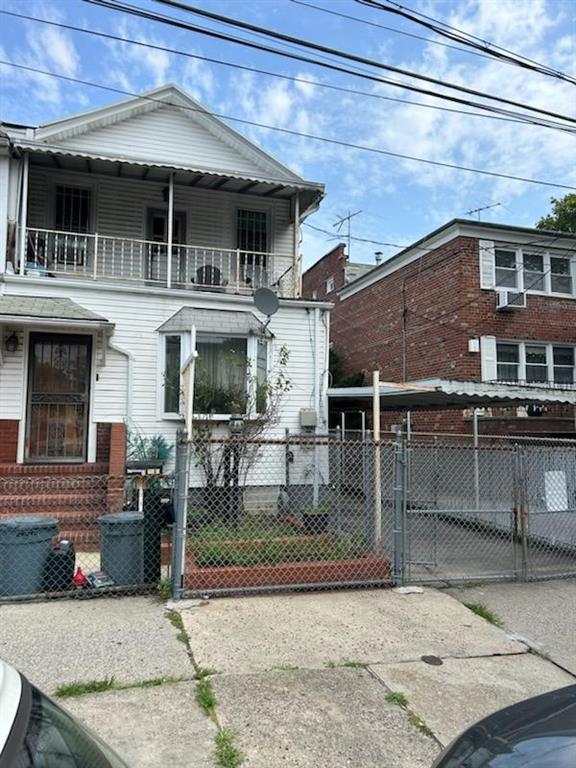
point(170, 230)
point(296, 256)
point(4, 177)
point(23, 213)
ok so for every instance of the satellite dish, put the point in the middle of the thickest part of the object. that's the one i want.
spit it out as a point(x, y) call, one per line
point(266, 301)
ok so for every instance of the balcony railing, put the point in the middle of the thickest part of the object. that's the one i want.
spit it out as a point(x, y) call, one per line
point(145, 262)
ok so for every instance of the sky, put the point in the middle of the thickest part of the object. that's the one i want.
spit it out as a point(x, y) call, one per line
point(399, 200)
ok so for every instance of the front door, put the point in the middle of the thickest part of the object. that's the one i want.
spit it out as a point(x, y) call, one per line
point(58, 397)
point(157, 232)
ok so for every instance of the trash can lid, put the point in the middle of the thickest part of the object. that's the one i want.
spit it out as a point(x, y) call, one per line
point(29, 521)
point(121, 517)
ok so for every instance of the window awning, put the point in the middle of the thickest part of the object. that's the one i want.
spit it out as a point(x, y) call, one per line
point(41, 310)
point(220, 322)
point(431, 394)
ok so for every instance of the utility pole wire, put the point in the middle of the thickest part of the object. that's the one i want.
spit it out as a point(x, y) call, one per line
point(299, 134)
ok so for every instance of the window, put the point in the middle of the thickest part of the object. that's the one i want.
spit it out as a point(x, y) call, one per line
point(563, 360)
point(220, 383)
point(330, 284)
point(252, 241)
point(72, 209)
point(560, 277)
point(506, 272)
point(507, 357)
point(172, 365)
point(535, 363)
point(533, 272)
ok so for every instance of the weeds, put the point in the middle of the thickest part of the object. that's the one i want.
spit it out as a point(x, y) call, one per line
point(80, 689)
point(419, 724)
point(202, 672)
point(482, 610)
point(227, 754)
point(206, 697)
point(175, 619)
point(395, 697)
point(164, 589)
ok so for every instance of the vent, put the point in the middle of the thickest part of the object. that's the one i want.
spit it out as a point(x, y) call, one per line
point(510, 300)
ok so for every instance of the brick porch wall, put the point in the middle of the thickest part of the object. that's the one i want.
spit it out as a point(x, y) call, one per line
point(8, 440)
point(117, 467)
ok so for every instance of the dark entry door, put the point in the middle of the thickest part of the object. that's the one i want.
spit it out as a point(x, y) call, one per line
point(58, 397)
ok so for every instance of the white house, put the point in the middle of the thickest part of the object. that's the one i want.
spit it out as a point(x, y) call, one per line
point(125, 232)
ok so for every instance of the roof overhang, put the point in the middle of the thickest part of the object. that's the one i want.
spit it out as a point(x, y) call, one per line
point(310, 193)
point(444, 394)
point(35, 311)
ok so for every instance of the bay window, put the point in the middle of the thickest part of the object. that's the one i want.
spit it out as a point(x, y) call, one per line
point(535, 363)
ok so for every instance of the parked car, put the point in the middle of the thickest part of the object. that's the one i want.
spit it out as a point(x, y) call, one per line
point(37, 733)
point(539, 732)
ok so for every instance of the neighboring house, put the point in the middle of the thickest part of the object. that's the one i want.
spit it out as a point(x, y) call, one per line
point(125, 233)
point(331, 273)
point(471, 301)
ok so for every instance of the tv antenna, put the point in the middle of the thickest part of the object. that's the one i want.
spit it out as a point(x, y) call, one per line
point(484, 208)
point(267, 303)
point(346, 220)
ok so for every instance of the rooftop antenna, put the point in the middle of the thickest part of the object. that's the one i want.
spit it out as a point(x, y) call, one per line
point(484, 208)
point(267, 303)
point(339, 224)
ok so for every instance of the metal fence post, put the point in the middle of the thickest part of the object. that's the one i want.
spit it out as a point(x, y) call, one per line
point(400, 493)
point(180, 514)
point(520, 528)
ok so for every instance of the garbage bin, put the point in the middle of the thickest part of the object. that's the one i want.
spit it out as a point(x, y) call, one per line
point(25, 546)
point(122, 546)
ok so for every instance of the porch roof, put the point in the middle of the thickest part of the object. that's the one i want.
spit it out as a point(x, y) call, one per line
point(202, 178)
point(429, 394)
point(223, 321)
point(41, 310)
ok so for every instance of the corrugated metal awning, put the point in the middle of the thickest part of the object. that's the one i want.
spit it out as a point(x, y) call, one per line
point(41, 310)
point(444, 394)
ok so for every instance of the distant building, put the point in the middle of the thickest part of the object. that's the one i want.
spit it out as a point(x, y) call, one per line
point(331, 273)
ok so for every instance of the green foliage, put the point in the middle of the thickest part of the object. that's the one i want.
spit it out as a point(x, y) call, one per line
point(485, 613)
point(395, 697)
point(338, 377)
point(154, 448)
point(563, 215)
point(164, 589)
point(326, 509)
point(206, 697)
point(227, 754)
point(80, 689)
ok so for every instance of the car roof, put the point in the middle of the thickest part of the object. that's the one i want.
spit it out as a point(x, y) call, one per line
point(10, 692)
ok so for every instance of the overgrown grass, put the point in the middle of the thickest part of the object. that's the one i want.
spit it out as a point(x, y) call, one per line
point(109, 684)
point(251, 527)
point(482, 610)
point(206, 697)
point(227, 754)
point(164, 589)
point(395, 697)
point(81, 689)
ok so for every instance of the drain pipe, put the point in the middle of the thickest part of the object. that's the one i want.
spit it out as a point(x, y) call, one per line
point(129, 376)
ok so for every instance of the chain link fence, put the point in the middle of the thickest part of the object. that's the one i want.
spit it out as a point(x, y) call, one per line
point(84, 535)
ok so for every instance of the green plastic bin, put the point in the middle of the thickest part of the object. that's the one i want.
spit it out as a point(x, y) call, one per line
point(122, 547)
point(25, 545)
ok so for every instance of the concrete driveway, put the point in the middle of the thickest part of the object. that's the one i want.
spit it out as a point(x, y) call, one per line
point(543, 613)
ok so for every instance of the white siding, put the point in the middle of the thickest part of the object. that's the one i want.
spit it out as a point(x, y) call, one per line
point(166, 135)
point(137, 317)
point(120, 208)
point(12, 379)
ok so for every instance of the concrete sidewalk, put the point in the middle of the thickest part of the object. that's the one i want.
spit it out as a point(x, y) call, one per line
point(328, 679)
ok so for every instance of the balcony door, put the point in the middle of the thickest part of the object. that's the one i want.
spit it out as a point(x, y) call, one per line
point(58, 397)
point(157, 232)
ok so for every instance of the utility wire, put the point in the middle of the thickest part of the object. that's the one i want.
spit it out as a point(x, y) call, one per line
point(290, 78)
point(290, 132)
point(112, 4)
point(468, 39)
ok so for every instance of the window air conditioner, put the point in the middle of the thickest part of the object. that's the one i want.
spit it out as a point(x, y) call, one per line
point(510, 300)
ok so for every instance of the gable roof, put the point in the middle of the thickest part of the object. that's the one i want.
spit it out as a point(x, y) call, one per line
point(166, 125)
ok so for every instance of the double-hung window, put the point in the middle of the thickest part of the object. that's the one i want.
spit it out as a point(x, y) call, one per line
point(506, 270)
point(535, 363)
point(560, 277)
point(533, 272)
point(252, 242)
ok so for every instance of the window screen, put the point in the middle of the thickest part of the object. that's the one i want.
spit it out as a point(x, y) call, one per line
point(72, 209)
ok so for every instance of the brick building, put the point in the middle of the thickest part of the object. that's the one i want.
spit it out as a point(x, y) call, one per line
point(470, 302)
point(331, 273)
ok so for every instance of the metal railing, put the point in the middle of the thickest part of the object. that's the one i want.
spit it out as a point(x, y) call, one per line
point(102, 257)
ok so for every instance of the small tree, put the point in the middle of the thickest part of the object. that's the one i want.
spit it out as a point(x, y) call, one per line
point(563, 215)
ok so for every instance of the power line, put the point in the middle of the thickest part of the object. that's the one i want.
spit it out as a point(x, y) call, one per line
point(335, 52)
point(299, 134)
point(181, 24)
point(469, 40)
point(290, 78)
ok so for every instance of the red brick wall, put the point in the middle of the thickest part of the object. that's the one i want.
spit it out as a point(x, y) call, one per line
point(103, 442)
point(8, 440)
point(333, 264)
point(115, 494)
point(443, 306)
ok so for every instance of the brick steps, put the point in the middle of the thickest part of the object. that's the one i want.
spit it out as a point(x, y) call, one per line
point(57, 504)
point(52, 470)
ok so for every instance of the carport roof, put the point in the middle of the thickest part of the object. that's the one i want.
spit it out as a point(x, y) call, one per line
point(428, 394)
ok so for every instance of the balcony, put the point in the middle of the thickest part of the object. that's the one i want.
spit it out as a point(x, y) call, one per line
point(51, 253)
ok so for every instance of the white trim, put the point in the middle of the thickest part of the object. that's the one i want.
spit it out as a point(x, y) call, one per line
point(22, 245)
point(549, 345)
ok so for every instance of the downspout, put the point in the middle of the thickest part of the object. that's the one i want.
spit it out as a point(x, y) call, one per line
point(317, 388)
point(129, 377)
